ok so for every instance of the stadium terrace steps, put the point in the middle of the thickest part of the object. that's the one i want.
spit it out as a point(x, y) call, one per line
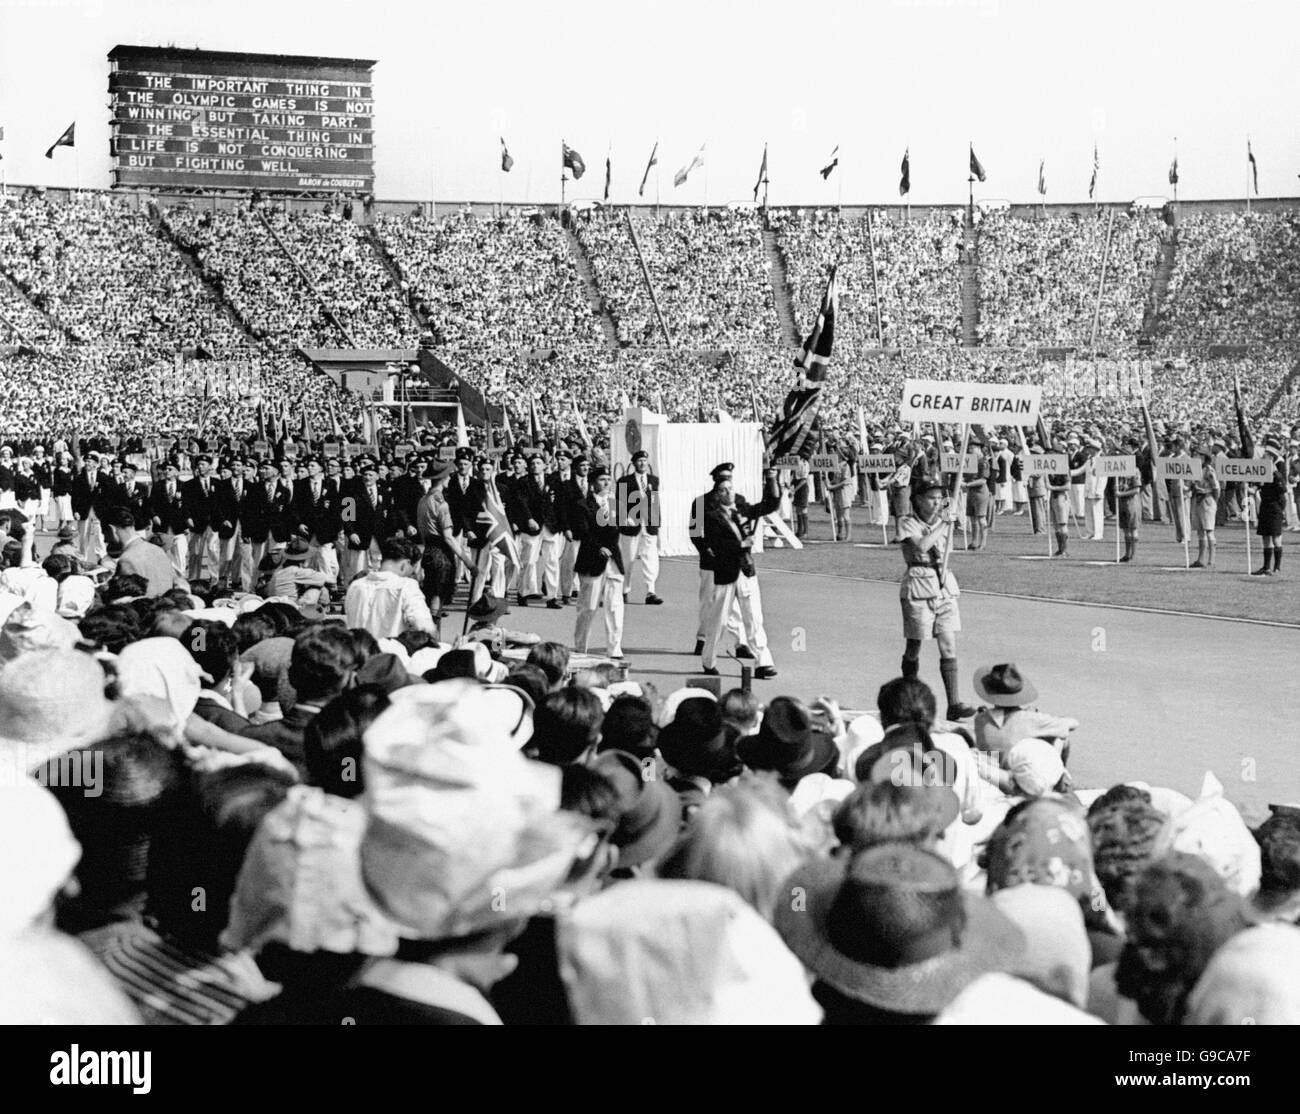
point(970, 289)
point(16, 293)
point(385, 257)
point(190, 257)
point(588, 273)
point(1159, 291)
point(781, 293)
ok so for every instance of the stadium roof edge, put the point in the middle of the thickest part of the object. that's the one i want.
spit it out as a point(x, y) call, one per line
point(175, 53)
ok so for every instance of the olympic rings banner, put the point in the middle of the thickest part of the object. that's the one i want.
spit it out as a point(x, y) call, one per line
point(931, 400)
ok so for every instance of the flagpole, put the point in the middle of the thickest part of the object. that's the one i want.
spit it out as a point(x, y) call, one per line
point(560, 214)
point(970, 185)
point(1248, 154)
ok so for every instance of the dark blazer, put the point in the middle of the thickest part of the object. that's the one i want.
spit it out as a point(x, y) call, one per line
point(225, 507)
point(569, 500)
point(727, 528)
point(361, 516)
point(631, 511)
point(536, 503)
point(460, 500)
point(404, 495)
point(198, 506)
point(101, 499)
point(286, 735)
point(167, 515)
point(699, 507)
point(320, 516)
point(265, 515)
point(595, 535)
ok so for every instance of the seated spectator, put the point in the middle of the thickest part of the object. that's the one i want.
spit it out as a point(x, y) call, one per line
point(1278, 896)
point(332, 748)
point(695, 747)
point(388, 600)
point(566, 726)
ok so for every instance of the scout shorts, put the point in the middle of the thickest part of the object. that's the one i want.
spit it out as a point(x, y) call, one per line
point(923, 619)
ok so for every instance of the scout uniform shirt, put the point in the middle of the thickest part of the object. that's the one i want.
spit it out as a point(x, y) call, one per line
point(921, 581)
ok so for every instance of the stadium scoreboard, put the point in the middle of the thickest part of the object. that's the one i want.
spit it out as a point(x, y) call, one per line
point(216, 120)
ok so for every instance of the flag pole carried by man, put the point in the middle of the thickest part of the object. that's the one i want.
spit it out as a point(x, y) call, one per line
point(790, 432)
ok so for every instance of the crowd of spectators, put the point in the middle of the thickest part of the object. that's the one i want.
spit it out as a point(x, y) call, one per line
point(1236, 280)
point(492, 282)
point(1039, 276)
point(916, 271)
point(390, 829)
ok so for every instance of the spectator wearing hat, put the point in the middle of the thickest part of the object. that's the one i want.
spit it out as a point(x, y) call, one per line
point(697, 748)
point(291, 579)
point(729, 522)
point(1010, 717)
point(889, 935)
point(929, 606)
point(600, 568)
point(788, 745)
point(638, 524)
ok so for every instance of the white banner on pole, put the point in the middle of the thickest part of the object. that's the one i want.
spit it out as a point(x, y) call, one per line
point(930, 400)
point(1244, 470)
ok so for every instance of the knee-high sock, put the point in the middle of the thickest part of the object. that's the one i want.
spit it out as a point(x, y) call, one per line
point(948, 671)
point(911, 668)
point(1277, 558)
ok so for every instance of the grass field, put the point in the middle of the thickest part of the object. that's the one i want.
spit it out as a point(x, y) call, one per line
point(1156, 579)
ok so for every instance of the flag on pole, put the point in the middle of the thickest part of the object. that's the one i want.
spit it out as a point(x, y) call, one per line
point(762, 173)
point(582, 425)
point(624, 403)
point(336, 430)
point(607, 176)
point(462, 434)
point(654, 161)
point(790, 432)
point(507, 434)
point(1042, 181)
point(306, 425)
point(506, 161)
point(862, 431)
point(835, 161)
point(261, 421)
point(67, 139)
point(1173, 172)
point(1096, 165)
point(573, 161)
point(659, 403)
point(1250, 155)
point(976, 167)
point(680, 177)
point(500, 535)
point(534, 423)
point(905, 182)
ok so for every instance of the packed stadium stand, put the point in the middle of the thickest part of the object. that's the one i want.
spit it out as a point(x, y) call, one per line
point(99, 294)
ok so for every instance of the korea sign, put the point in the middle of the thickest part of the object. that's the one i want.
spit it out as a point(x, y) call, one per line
point(927, 400)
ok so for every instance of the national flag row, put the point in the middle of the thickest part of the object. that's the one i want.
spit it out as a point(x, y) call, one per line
point(573, 162)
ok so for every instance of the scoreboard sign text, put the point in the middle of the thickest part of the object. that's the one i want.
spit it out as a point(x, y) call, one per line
point(239, 121)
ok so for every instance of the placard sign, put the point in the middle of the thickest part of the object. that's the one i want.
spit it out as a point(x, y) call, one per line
point(787, 461)
point(332, 449)
point(929, 400)
point(955, 462)
point(1244, 470)
point(1178, 468)
point(447, 452)
point(261, 448)
point(878, 462)
point(1048, 464)
point(1117, 466)
point(824, 462)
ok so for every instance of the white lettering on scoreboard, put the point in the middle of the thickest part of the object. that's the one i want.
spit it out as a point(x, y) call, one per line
point(927, 400)
point(1117, 466)
point(1178, 468)
point(1247, 470)
point(1048, 464)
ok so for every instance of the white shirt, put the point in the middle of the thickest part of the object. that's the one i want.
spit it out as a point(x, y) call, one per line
point(386, 604)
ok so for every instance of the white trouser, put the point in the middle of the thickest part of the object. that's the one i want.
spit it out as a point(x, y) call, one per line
point(43, 504)
point(592, 591)
point(1076, 500)
point(540, 555)
point(90, 540)
point(204, 555)
point(357, 562)
point(735, 625)
point(62, 509)
point(228, 550)
point(1019, 493)
point(745, 592)
point(324, 558)
point(250, 562)
point(492, 570)
point(1096, 521)
point(568, 558)
point(641, 547)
